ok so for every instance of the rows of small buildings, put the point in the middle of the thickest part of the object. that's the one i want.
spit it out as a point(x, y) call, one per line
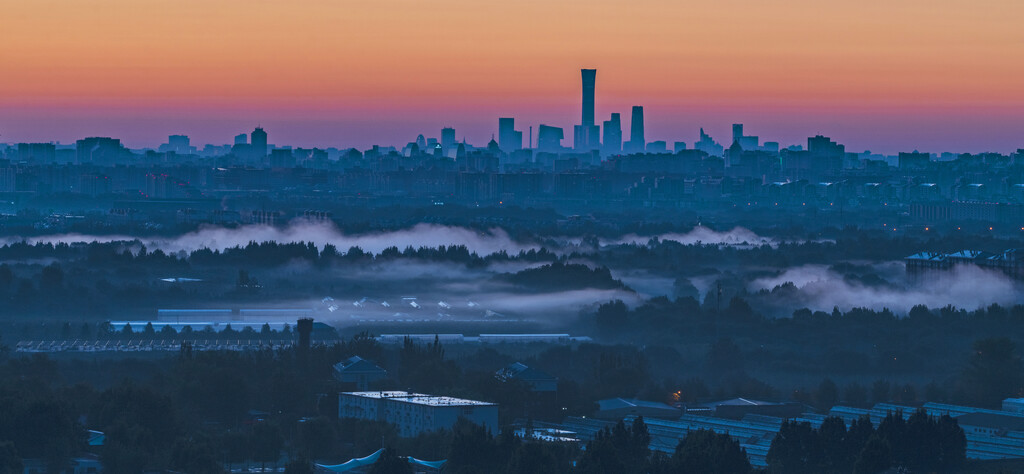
point(991, 434)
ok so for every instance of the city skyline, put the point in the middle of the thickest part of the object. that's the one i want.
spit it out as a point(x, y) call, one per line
point(885, 77)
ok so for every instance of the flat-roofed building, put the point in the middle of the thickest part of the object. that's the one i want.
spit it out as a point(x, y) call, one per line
point(415, 413)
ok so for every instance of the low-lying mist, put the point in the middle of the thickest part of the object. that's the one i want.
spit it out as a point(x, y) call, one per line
point(299, 230)
point(821, 288)
point(699, 234)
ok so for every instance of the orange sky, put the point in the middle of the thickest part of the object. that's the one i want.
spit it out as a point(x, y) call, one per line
point(202, 66)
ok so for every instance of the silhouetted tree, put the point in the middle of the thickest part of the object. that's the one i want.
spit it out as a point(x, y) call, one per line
point(874, 458)
point(705, 451)
point(994, 372)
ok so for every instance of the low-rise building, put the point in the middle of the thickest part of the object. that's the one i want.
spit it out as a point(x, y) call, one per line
point(537, 380)
point(358, 371)
point(619, 408)
point(415, 413)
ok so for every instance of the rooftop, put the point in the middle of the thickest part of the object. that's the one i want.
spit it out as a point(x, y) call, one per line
point(616, 403)
point(521, 371)
point(419, 398)
point(357, 364)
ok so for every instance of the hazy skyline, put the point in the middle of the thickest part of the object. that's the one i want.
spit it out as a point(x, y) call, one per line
point(881, 75)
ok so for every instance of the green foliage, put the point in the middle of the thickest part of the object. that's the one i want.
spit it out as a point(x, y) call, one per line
point(390, 463)
point(874, 458)
point(708, 452)
point(619, 449)
point(559, 276)
point(919, 444)
point(994, 372)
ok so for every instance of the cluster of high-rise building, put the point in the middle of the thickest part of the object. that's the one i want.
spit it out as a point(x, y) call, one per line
point(605, 139)
point(603, 170)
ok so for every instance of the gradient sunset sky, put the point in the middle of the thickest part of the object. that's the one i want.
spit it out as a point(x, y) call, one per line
point(884, 75)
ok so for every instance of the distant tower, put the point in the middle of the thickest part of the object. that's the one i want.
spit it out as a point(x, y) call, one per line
point(241, 139)
point(259, 143)
point(737, 132)
point(509, 140)
point(637, 142)
point(589, 77)
point(447, 138)
point(613, 135)
point(587, 135)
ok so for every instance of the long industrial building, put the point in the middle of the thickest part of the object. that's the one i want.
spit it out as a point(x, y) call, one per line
point(415, 413)
point(991, 434)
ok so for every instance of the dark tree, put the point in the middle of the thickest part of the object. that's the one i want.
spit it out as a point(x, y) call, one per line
point(302, 466)
point(10, 461)
point(994, 372)
point(874, 458)
point(795, 449)
point(705, 451)
point(827, 395)
point(390, 463)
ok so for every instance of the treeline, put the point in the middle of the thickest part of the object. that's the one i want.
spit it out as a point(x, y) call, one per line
point(560, 276)
point(920, 443)
point(655, 255)
point(943, 355)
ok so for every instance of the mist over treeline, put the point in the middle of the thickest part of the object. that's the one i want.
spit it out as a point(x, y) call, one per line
point(55, 275)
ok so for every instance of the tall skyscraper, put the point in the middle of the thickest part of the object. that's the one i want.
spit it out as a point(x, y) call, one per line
point(589, 77)
point(612, 140)
point(241, 139)
point(586, 135)
point(509, 140)
point(637, 142)
point(258, 138)
point(447, 138)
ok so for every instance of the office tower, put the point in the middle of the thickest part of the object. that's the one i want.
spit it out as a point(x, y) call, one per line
point(589, 77)
point(37, 152)
point(509, 140)
point(637, 142)
point(421, 142)
point(826, 155)
point(258, 138)
point(179, 141)
point(749, 143)
point(587, 135)
point(241, 139)
point(678, 146)
point(708, 145)
point(549, 139)
point(179, 144)
point(98, 150)
point(447, 138)
point(612, 142)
